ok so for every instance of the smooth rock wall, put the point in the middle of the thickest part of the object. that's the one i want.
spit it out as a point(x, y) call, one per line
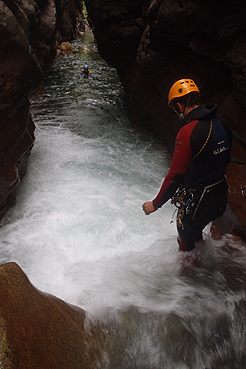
point(29, 34)
point(40, 331)
point(153, 44)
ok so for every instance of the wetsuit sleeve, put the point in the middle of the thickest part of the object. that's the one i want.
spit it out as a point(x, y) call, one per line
point(179, 165)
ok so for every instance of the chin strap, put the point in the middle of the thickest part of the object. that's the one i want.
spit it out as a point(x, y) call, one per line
point(181, 115)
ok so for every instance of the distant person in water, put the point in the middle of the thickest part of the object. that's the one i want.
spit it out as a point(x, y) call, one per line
point(86, 72)
point(196, 181)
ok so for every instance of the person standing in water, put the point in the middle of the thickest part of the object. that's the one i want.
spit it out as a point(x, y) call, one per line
point(196, 181)
point(86, 72)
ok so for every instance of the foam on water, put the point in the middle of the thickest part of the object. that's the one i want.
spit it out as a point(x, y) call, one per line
point(81, 199)
point(75, 197)
point(78, 231)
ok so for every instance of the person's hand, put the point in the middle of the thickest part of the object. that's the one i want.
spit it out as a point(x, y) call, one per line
point(148, 207)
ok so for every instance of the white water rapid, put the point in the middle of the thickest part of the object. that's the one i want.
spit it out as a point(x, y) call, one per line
point(78, 231)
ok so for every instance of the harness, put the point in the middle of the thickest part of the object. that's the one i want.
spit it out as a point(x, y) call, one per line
point(188, 200)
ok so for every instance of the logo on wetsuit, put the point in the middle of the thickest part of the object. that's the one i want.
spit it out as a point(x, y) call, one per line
point(221, 149)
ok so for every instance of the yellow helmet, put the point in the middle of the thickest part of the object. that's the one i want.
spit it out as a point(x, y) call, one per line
point(181, 88)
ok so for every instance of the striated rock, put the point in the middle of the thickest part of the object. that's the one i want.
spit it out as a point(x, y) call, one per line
point(30, 31)
point(67, 13)
point(39, 331)
point(19, 74)
point(43, 32)
point(118, 27)
point(152, 44)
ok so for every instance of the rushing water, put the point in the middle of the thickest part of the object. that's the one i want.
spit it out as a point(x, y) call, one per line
point(78, 231)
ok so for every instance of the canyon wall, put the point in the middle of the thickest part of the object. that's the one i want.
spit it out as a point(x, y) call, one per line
point(154, 43)
point(30, 31)
point(37, 330)
point(151, 44)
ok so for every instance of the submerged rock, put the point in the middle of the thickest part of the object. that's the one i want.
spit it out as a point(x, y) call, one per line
point(39, 331)
point(66, 47)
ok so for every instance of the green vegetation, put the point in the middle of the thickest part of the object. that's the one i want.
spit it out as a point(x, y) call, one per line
point(84, 10)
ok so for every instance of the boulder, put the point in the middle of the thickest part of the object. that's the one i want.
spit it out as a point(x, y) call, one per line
point(39, 331)
point(65, 47)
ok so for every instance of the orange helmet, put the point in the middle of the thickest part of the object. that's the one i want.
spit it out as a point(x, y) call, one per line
point(182, 87)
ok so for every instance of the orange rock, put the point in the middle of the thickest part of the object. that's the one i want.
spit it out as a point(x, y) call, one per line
point(40, 331)
point(66, 46)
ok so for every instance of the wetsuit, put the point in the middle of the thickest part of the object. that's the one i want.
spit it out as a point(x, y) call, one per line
point(86, 73)
point(202, 153)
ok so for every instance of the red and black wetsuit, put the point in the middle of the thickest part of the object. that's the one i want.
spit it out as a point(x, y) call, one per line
point(202, 153)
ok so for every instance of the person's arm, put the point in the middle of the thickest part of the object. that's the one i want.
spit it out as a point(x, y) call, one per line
point(179, 165)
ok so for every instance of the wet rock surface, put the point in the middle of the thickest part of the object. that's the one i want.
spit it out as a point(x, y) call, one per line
point(154, 44)
point(38, 330)
point(151, 44)
point(30, 32)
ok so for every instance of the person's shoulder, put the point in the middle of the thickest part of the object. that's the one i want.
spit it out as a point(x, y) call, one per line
point(185, 132)
point(188, 127)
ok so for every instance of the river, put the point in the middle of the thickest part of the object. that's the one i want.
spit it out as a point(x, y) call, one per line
point(78, 231)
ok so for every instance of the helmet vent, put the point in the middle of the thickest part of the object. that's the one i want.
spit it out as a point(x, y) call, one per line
point(181, 88)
